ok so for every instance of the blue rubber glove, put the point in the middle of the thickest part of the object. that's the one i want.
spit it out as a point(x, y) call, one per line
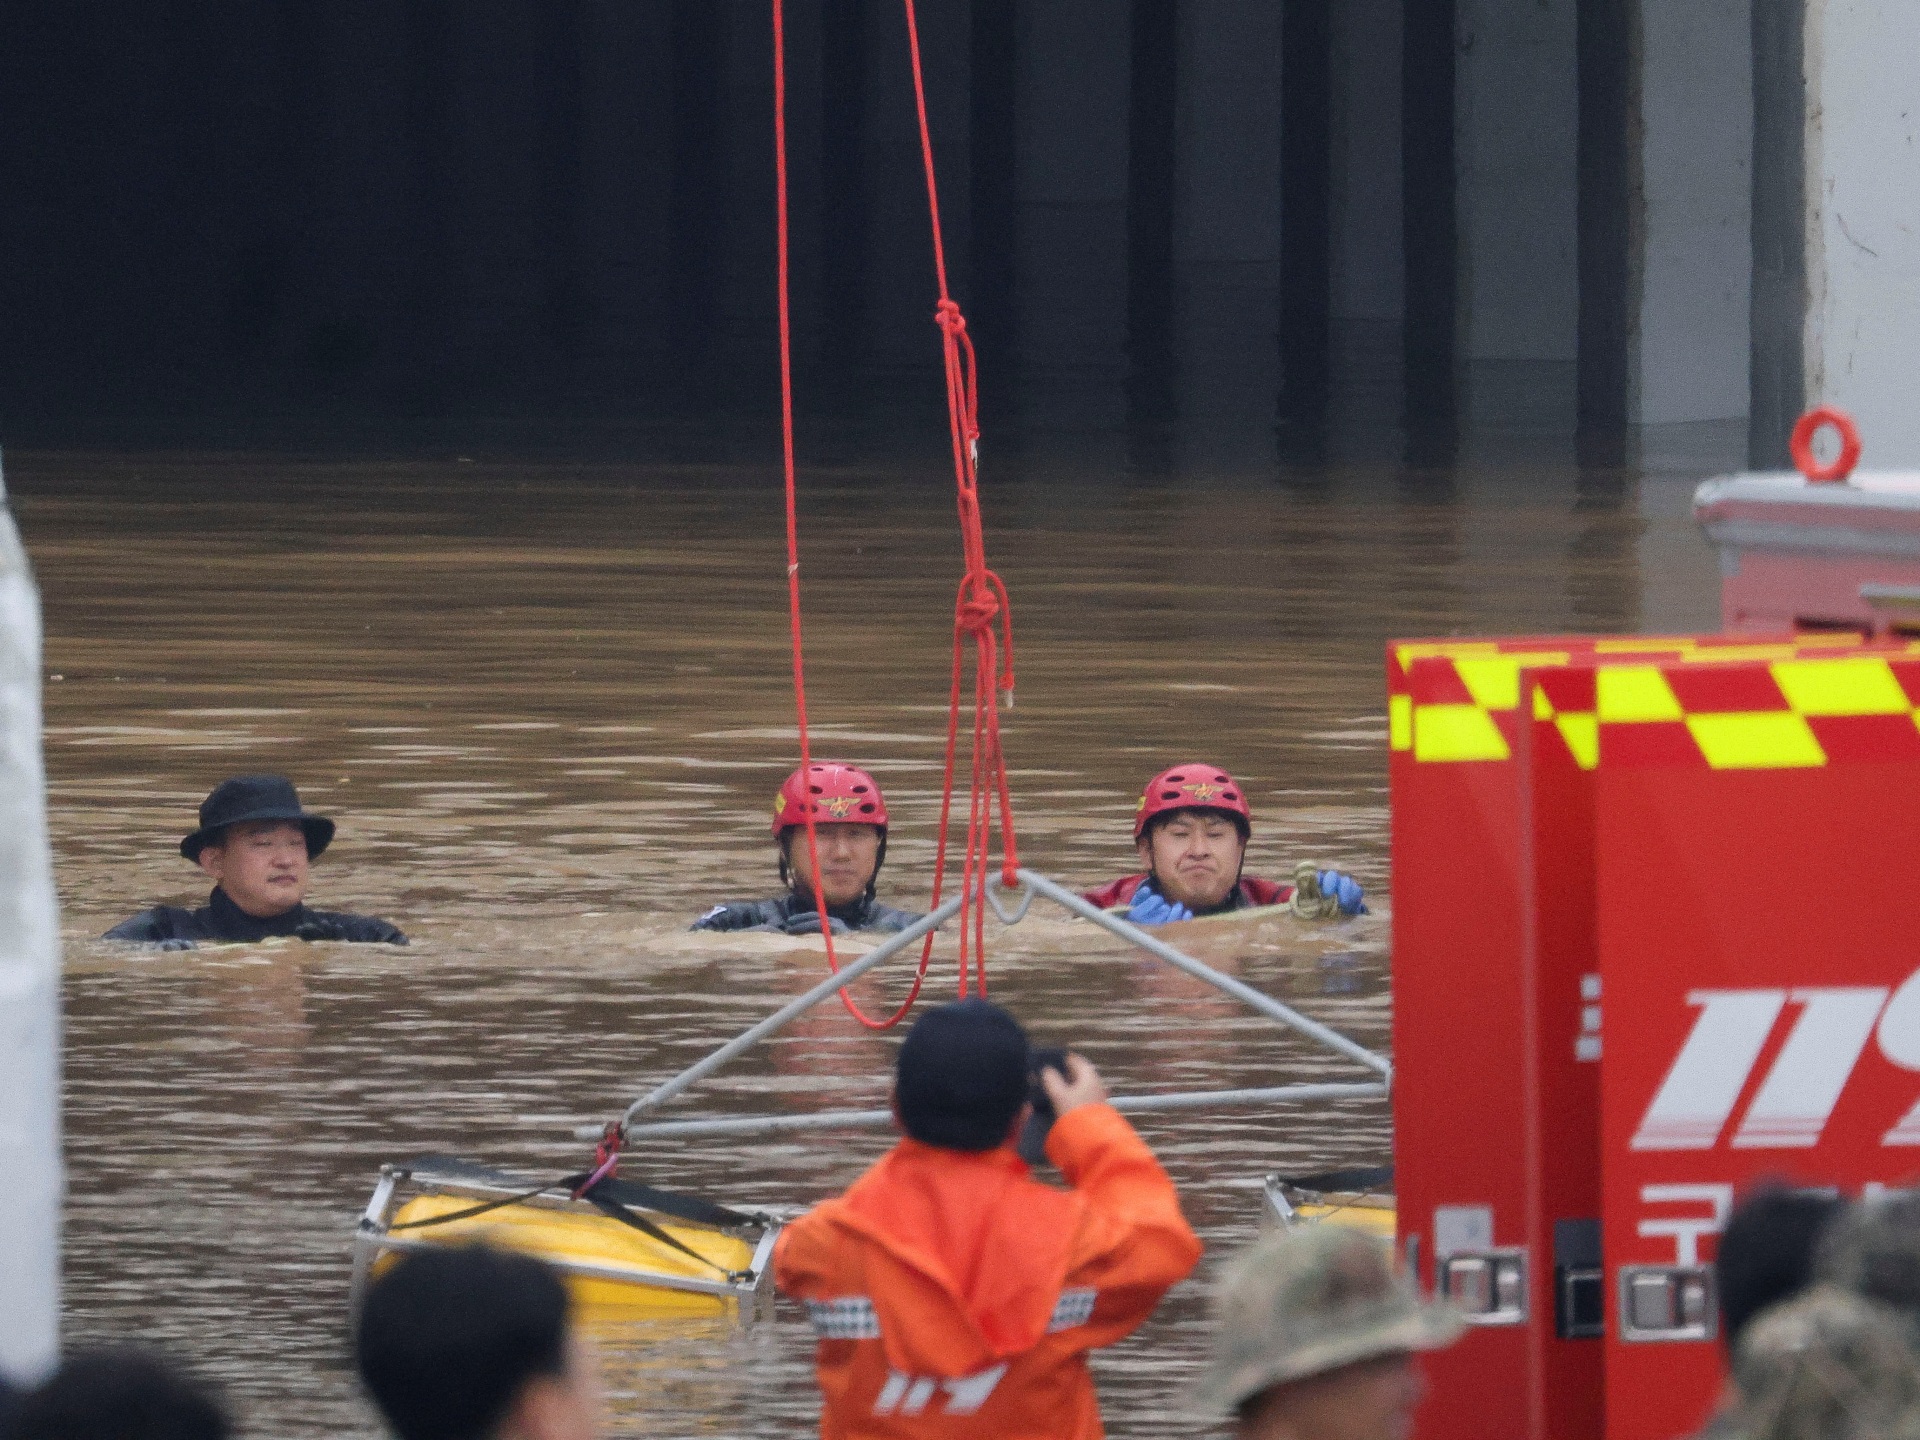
point(171, 945)
point(1346, 890)
point(1151, 908)
point(807, 922)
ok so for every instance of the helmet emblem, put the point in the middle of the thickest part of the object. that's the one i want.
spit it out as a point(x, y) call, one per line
point(1201, 791)
point(840, 806)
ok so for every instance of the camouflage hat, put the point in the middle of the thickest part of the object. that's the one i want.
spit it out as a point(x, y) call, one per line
point(1308, 1300)
point(1873, 1249)
point(1828, 1365)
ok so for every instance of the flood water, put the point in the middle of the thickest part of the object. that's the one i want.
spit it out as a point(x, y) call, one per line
point(549, 703)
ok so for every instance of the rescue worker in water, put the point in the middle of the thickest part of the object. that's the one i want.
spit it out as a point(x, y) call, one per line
point(257, 843)
point(952, 1293)
point(1191, 828)
point(850, 831)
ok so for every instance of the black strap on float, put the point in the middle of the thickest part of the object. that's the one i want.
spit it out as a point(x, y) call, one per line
point(652, 1231)
point(473, 1210)
point(666, 1202)
point(610, 1196)
point(1371, 1177)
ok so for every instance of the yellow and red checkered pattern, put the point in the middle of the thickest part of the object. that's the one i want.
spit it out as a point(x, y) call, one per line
point(1786, 714)
point(1453, 701)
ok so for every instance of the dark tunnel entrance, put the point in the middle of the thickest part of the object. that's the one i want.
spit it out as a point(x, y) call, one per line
point(1381, 217)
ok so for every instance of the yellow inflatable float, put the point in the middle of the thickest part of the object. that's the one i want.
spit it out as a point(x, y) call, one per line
point(623, 1246)
point(1361, 1198)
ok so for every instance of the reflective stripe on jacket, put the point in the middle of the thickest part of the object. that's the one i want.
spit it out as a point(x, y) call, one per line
point(953, 1294)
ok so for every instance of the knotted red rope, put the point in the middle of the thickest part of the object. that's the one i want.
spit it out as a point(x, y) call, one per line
point(981, 610)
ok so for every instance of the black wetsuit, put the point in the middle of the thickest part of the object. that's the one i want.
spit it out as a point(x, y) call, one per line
point(797, 914)
point(221, 922)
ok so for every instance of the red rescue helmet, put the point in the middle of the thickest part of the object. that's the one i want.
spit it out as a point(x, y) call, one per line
point(1193, 786)
point(839, 793)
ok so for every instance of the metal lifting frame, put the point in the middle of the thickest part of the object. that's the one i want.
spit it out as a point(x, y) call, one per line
point(1010, 912)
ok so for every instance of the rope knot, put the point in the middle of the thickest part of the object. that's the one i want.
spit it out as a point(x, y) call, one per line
point(976, 613)
point(948, 317)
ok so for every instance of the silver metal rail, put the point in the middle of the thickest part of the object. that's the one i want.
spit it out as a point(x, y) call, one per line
point(787, 1013)
point(1125, 1104)
point(1245, 993)
point(1031, 884)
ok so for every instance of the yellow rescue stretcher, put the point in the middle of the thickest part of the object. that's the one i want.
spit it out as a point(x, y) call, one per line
point(1361, 1199)
point(629, 1248)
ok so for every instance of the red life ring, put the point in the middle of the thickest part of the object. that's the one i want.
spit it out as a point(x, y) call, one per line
point(1801, 446)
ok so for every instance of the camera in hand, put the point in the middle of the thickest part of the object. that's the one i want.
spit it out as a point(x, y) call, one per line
point(1032, 1145)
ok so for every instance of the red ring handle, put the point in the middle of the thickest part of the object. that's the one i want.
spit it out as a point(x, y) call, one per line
point(1809, 425)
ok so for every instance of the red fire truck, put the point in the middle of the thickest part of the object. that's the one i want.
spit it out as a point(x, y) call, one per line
point(1652, 945)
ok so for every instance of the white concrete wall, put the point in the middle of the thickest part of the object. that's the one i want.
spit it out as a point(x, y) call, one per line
point(1689, 335)
point(29, 992)
point(1515, 138)
point(1862, 339)
point(1227, 212)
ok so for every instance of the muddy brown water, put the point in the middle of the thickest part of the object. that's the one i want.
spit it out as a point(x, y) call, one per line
point(549, 703)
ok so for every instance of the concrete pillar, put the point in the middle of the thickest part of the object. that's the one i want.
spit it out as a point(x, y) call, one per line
point(1226, 252)
point(747, 323)
point(1862, 195)
point(1074, 59)
point(1515, 136)
point(495, 193)
point(1691, 243)
point(29, 992)
point(1367, 263)
point(901, 289)
point(627, 172)
point(1778, 311)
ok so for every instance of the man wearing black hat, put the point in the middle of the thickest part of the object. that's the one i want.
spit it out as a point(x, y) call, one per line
point(954, 1294)
point(257, 843)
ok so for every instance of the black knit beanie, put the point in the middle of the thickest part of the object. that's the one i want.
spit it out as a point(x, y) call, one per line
point(962, 1076)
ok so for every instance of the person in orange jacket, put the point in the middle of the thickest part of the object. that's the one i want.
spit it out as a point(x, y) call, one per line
point(954, 1294)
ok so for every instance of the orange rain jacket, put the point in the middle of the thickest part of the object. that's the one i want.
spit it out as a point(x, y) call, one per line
point(954, 1294)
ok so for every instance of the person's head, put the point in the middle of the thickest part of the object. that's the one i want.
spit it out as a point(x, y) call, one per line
point(1766, 1252)
point(470, 1343)
point(849, 826)
point(1315, 1336)
point(117, 1395)
point(257, 842)
point(1827, 1365)
point(1191, 828)
point(961, 1078)
point(1872, 1247)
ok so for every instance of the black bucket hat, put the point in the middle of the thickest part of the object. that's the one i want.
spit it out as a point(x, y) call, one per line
point(255, 797)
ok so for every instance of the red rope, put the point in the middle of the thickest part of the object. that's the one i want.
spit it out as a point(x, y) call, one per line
point(981, 609)
point(982, 599)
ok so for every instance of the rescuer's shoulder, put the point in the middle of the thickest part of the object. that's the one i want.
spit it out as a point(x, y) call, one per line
point(150, 927)
point(1265, 892)
point(353, 929)
point(810, 1249)
point(1133, 1234)
point(1114, 892)
point(741, 915)
point(886, 918)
